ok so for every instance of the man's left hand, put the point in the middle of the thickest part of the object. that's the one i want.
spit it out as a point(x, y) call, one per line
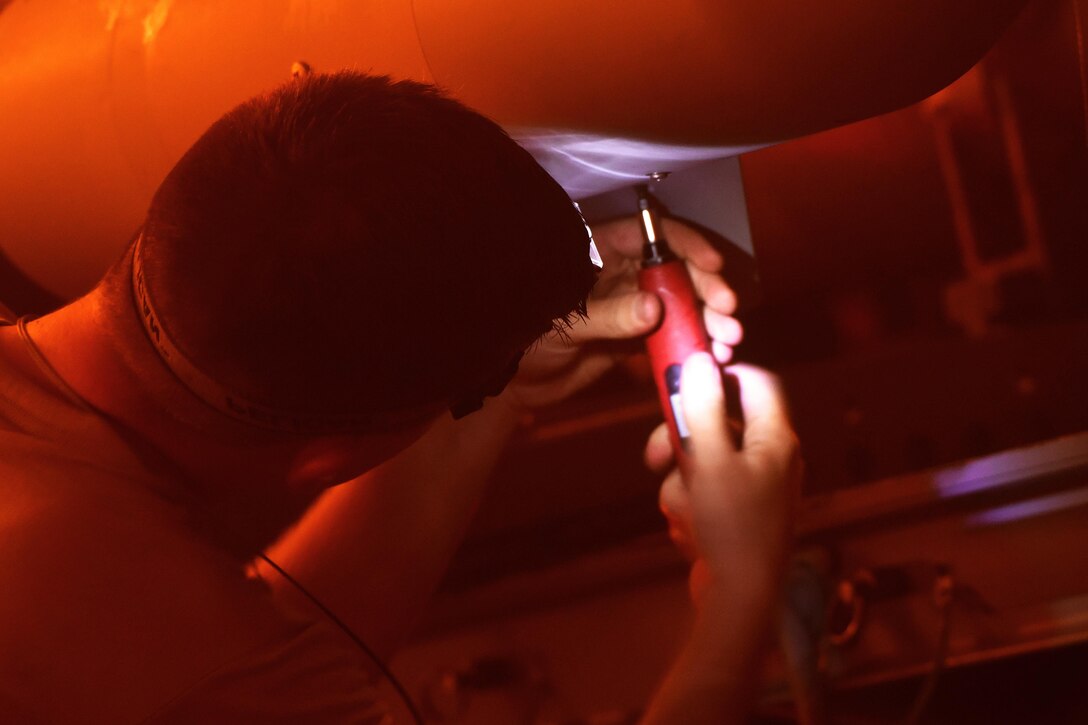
point(560, 364)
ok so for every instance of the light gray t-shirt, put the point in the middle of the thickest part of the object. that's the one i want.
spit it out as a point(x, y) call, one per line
point(113, 610)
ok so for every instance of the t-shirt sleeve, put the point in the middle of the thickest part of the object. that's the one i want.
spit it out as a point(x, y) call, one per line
point(311, 677)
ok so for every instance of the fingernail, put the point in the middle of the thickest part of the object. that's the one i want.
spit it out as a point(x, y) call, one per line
point(701, 363)
point(700, 385)
point(647, 309)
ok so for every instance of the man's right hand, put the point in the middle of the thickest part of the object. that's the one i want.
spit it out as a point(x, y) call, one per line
point(731, 510)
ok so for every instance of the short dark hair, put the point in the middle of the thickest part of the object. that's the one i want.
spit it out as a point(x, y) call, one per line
point(346, 242)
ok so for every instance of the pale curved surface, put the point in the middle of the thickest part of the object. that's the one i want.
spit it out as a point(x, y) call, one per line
point(100, 98)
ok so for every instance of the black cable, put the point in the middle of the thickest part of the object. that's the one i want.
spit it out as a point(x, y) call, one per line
point(401, 691)
point(943, 590)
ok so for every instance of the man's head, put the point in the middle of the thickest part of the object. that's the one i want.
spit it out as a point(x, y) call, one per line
point(346, 245)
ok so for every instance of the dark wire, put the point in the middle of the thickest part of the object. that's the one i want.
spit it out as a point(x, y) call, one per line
point(929, 685)
point(401, 691)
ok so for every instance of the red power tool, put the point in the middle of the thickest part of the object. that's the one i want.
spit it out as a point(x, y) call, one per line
point(681, 332)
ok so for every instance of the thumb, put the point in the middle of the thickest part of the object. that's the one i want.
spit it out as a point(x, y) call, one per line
point(618, 317)
point(702, 396)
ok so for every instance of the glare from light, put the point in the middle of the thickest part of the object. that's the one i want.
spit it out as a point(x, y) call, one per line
point(1029, 509)
point(649, 224)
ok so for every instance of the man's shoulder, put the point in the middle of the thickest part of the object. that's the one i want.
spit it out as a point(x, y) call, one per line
point(115, 608)
point(119, 610)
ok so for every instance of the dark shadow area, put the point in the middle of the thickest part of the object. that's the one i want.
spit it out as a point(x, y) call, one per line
point(23, 295)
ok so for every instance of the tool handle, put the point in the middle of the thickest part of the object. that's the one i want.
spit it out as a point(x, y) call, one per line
point(680, 334)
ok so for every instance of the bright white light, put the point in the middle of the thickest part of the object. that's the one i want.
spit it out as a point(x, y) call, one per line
point(594, 255)
point(649, 224)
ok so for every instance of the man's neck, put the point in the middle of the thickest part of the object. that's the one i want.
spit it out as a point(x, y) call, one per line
point(234, 482)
